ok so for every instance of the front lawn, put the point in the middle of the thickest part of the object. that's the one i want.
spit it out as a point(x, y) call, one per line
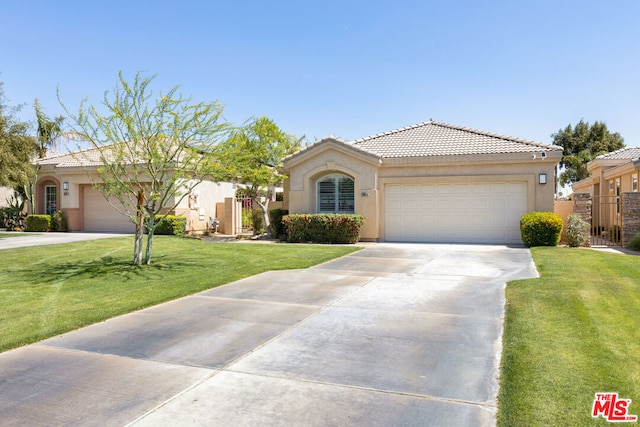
point(571, 333)
point(4, 234)
point(48, 290)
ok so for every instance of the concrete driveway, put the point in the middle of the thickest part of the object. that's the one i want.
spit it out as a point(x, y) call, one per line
point(395, 334)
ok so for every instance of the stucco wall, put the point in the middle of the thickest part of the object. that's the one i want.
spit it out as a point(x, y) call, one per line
point(564, 208)
point(202, 203)
point(5, 194)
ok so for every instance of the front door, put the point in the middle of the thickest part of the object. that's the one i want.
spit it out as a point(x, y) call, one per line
point(50, 199)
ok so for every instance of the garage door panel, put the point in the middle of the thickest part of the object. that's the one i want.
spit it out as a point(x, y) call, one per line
point(469, 212)
point(101, 217)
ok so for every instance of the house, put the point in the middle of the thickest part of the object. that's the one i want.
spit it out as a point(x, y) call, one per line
point(612, 175)
point(66, 182)
point(432, 182)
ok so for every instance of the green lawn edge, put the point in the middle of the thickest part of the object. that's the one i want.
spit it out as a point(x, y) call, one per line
point(569, 334)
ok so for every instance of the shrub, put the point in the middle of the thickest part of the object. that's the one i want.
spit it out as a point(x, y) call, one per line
point(38, 223)
point(577, 231)
point(171, 225)
point(277, 228)
point(540, 228)
point(634, 244)
point(257, 221)
point(615, 233)
point(12, 216)
point(58, 221)
point(323, 228)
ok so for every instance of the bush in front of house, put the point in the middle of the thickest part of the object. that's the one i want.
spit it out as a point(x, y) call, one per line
point(277, 228)
point(634, 244)
point(58, 222)
point(577, 231)
point(257, 221)
point(541, 228)
point(323, 228)
point(171, 225)
point(38, 223)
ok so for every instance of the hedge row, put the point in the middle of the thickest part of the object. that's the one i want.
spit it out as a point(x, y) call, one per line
point(323, 228)
point(171, 225)
point(55, 222)
point(38, 223)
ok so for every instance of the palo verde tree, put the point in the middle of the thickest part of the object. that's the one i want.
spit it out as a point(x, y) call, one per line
point(252, 156)
point(16, 146)
point(581, 145)
point(151, 151)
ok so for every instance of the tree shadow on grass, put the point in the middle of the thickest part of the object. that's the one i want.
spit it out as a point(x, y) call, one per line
point(106, 267)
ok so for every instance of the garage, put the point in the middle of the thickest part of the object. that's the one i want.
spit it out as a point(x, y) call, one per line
point(101, 217)
point(478, 212)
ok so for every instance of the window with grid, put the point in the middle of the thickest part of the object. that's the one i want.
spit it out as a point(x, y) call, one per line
point(335, 194)
point(50, 200)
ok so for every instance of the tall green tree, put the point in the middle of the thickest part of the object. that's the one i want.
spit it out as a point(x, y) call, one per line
point(16, 146)
point(253, 156)
point(49, 130)
point(47, 134)
point(582, 144)
point(152, 150)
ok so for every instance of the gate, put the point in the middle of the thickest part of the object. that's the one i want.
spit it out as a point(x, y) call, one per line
point(606, 221)
point(244, 208)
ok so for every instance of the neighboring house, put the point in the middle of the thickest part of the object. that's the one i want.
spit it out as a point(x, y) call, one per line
point(432, 182)
point(612, 175)
point(65, 182)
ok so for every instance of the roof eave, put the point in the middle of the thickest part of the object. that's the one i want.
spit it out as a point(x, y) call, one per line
point(326, 144)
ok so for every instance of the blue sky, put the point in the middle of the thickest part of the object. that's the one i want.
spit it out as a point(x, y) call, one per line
point(344, 68)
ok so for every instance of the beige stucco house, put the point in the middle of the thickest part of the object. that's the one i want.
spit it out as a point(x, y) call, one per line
point(432, 182)
point(66, 182)
point(612, 174)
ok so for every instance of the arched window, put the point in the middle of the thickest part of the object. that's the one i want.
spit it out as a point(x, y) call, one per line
point(335, 194)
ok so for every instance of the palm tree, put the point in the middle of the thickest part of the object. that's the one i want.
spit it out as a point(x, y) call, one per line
point(48, 130)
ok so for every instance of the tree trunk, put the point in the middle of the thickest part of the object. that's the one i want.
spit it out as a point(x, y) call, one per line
point(265, 215)
point(137, 244)
point(150, 229)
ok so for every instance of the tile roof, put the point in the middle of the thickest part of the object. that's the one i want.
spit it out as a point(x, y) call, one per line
point(83, 158)
point(441, 139)
point(622, 154)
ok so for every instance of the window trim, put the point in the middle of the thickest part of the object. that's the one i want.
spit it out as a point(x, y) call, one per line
point(336, 195)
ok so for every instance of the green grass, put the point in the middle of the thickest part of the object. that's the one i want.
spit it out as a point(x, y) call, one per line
point(4, 234)
point(571, 333)
point(48, 290)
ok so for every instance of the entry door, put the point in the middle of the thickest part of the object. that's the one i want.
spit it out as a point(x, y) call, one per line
point(50, 199)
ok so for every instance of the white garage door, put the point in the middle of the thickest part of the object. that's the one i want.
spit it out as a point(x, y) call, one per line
point(101, 217)
point(457, 213)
